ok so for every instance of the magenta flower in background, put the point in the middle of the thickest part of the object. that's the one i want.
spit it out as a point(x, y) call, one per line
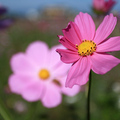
point(38, 74)
point(3, 10)
point(4, 22)
point(87, 48)
point(103, 6)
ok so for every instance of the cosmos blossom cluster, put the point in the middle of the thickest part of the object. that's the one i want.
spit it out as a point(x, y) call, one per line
point(39, 74)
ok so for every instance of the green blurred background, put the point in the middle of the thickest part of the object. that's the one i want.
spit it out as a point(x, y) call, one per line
point(105, 91)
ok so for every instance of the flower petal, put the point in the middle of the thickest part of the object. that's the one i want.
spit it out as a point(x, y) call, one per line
point(33, 92)
point(30, 88)
point(38, 52)
point(105, 28)
point(79, 72)
point(69, 91)
point(86, 26)
point(21, 64)
point(52, 96)
point(72, 33)
point(60, 69)
point(65, 42)
point(54, 56)
point(17, 83)
point(68, 56)
point(57, 67)
point(102, 63)
point(111, 44)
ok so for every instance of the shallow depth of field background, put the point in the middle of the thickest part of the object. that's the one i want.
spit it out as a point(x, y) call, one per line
point(45, 25)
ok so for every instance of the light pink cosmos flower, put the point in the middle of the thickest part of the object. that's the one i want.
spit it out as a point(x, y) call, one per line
point(103, 5)
point(38, 74)
point(87, 48)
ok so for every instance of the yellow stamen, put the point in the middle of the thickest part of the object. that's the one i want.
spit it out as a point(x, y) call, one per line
point(44, 74)
point(87, 47)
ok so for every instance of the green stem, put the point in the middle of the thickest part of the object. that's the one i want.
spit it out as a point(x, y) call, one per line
point(88, 98)
point(3, 112)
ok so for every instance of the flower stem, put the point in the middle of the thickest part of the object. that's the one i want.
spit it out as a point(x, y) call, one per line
point(88, 98)
point(3, 112)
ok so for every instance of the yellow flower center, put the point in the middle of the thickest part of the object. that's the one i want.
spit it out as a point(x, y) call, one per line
point(87, 47)
point(44, 74)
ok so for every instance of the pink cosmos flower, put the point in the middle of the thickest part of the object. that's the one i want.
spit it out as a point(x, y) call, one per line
point(38, 74)
point(103, 6)
point(87, 49)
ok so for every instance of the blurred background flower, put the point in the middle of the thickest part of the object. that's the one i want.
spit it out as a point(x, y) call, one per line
point(102, 7)
point(2, 10)
point(38, 74)
point(4, 22)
